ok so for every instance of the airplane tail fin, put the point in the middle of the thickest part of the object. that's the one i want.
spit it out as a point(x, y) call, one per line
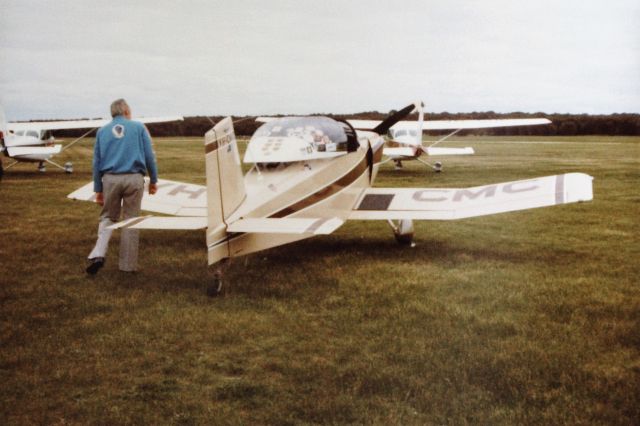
point(420, 108)
point(225, 182)
point(407, 136)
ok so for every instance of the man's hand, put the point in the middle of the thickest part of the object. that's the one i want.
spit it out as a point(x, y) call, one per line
point(100, 198)
point(153, 188)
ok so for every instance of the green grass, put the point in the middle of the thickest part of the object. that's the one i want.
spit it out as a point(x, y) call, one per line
point(530, 317)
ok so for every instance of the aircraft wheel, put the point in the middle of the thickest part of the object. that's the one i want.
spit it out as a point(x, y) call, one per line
point(42, 168)
point(214, 288)
point(404, 232)
point(68, 167)
point(437, 167)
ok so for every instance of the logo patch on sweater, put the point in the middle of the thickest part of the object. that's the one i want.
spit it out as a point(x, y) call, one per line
point(118, 131)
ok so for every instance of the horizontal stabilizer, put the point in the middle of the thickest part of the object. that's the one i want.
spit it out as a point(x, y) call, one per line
point(173, 198)
point(432, 151)
point(286, 225)
point(456, 203)
point(154, 222)
point(19, 151)
point(399, 152)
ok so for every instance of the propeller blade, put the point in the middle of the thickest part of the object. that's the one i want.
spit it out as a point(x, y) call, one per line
point(388, 122)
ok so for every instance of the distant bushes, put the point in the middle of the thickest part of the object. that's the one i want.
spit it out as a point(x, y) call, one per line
point(562, 124)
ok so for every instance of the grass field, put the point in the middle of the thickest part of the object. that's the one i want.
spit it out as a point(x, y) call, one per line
point(522, 318)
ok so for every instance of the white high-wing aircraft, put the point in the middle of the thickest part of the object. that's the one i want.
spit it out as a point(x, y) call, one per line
point(28, 141)
point(406, 136)
point(309, 176)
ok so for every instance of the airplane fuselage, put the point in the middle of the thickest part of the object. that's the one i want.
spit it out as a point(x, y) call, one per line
point(29, 146)
point(328, 187)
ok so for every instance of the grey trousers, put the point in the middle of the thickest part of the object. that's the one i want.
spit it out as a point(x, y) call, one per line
point(122, 193)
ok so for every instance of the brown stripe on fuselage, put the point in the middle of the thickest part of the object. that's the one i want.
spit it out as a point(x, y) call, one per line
point(327, 191)
point(211, 146)
point(377, 155)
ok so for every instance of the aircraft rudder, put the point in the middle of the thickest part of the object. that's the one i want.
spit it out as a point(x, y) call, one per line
point(225, 180)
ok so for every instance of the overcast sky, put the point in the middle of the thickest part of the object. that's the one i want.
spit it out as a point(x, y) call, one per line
point(70, 59)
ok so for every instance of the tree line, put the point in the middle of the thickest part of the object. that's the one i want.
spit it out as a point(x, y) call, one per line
point(562, 124)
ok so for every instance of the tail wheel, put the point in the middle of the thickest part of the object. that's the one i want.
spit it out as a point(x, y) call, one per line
point(214, 288)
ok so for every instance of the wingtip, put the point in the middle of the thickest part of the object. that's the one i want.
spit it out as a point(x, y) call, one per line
point(578, 187)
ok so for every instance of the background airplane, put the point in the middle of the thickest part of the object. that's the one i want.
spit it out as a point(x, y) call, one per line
point(33, 141)
point(405, 137)
point(309, 176)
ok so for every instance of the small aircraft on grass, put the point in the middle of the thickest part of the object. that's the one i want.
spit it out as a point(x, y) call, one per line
point(309, 176)
point(33, 141)
point(406, 136)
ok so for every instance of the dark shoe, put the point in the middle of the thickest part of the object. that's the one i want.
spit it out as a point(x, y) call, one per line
point(95, 265)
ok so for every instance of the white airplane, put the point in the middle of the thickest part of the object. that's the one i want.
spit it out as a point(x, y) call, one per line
point(33, 142)
point(406, 136)
point(309, 176)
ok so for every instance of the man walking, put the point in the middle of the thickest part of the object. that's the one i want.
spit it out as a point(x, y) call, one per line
point(122, 156)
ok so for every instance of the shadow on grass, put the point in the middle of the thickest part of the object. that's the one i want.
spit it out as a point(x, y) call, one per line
point(371, 249)
point(316, 265)
point(320, 264)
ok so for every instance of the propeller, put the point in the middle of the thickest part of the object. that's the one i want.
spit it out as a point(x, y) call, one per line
point(411, 138)
point(388, 122)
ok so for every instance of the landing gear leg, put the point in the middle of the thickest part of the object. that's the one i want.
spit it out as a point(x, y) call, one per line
point(398, 164)
point(437, 166)
point(403, 231)
point(68, 167)
point(214, 287)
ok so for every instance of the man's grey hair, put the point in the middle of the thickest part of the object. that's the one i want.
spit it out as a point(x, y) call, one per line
point(119, 107)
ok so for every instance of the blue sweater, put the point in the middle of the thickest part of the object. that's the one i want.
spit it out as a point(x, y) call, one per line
point(123, 146)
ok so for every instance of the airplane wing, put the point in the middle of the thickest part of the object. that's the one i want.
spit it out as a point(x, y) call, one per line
point(265, 119)
point(173, 198)
point(457, 203)
point(82, 124)
point(452, 124)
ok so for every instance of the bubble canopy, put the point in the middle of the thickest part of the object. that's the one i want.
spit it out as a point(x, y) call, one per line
point(292, 139)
